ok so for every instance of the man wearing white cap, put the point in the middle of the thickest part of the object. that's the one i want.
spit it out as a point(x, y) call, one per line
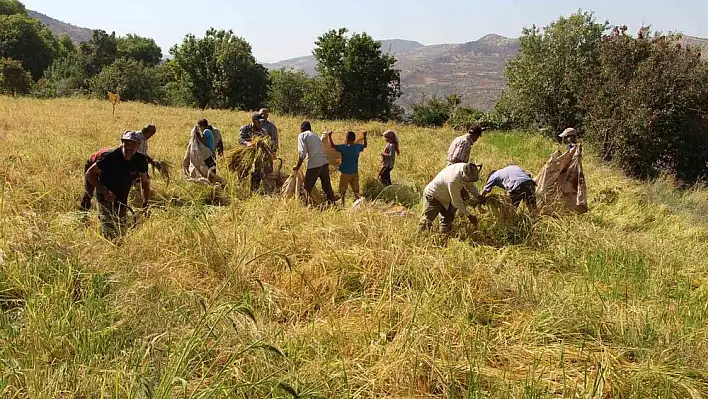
point(443, 196)
point(571, 137)
point(112, 176)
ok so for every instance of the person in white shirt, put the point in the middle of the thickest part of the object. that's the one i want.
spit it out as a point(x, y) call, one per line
point(309, 146)
point(443, 196)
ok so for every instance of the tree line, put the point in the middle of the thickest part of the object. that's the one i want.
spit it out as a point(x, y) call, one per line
point(356, 79)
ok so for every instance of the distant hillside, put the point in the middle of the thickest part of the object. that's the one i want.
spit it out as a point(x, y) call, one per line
point(76, 33)
point(697, 42)
point(473, 70)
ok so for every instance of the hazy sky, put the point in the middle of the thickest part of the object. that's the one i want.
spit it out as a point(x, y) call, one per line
point(281, 29)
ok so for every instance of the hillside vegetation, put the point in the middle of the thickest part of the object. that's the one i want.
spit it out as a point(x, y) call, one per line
point(263, 297)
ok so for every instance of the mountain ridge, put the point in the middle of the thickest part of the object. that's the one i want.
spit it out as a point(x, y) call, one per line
point(473, 70)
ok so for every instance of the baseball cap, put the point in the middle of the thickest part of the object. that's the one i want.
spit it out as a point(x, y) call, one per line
point(256, 116)
point(568, 132)
point(476, 129)
point(131, 136)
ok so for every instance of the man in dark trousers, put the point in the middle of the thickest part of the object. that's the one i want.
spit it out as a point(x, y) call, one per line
point(112, 176)
point(309, 146)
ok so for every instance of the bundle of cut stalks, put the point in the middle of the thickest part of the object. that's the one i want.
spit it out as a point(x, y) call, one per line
point(162, 167)
point(243, 160)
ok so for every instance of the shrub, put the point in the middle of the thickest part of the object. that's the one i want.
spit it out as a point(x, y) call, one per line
point(132, 79)
point(13, 78)
point(432, 112)
point(66, 76)
point(463, 118)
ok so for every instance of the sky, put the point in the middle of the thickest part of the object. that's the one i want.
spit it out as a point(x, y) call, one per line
point(282, 29)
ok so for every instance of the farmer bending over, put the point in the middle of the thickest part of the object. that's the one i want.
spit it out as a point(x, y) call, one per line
point(350, 163)
point(517, 182)
point(111, 174)
point(310, 146)
point(443, 197)
point(460, 148)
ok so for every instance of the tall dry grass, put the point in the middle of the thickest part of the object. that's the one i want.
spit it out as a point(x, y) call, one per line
point(262, 297)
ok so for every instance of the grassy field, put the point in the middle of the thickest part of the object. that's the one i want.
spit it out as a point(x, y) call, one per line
point(263, 297)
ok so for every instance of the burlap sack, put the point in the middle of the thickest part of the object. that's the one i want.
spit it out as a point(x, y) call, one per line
point(562, 181)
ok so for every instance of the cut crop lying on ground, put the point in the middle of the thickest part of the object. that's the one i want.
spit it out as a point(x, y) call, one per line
point(265, 298)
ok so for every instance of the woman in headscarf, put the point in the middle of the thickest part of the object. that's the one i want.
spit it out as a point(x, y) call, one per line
point(388, 157)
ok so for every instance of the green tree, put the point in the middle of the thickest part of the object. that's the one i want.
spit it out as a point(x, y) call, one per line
point(546, 79)
point(66, 76)
point(13, 78)
point(66, 46)
point(220, 71)
point(367, 82)
point(132, 79)
point(28, 41)
point(287, 92)
point(139, 48)
point(99, 52)
point(12, 7)
point(647, 106)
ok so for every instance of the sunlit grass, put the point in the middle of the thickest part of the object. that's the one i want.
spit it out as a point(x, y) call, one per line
point(262, 297)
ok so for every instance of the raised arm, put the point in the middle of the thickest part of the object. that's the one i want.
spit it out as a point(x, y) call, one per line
point(329, 140)
point(365, 142)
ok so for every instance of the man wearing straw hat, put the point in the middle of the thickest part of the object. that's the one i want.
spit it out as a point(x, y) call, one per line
point(443, 196)
point(111, 175)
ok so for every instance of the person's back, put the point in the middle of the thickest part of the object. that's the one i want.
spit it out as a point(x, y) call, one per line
point(439, 187)
point(508, 178)
point(350, 157)
point(310, 145)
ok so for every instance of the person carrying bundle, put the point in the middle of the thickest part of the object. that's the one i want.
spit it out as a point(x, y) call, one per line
point(310, 146)
point(350, 163)
point(247, 134)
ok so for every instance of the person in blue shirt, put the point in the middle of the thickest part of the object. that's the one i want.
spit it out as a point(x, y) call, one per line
point(350, 163)
point(208, 141)
point(517, 182)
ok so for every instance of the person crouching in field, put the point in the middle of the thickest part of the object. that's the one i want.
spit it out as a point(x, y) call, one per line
point(111, 175)
point(310, 146)
point(388, 157)
point(350, 163)
point(517, 183)
point(209, 140)
point(144, 135)
point(443, 196)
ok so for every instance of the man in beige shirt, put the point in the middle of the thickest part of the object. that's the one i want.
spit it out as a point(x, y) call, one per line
point(443, 196)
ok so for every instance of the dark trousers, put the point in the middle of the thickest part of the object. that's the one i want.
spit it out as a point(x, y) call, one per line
point(262, 169)
point(431, 209)
point(111, 216)
point(321, 173)
point(88, 189)
point(385, 176)
point(525, 192)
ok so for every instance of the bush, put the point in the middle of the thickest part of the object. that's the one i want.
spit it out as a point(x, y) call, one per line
point(132, 79)
point(13, 78)
point(65, 77)
point(287, 91)
point(464, 118)
point(640, 101)
point(648, 104)
point(433, 112)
